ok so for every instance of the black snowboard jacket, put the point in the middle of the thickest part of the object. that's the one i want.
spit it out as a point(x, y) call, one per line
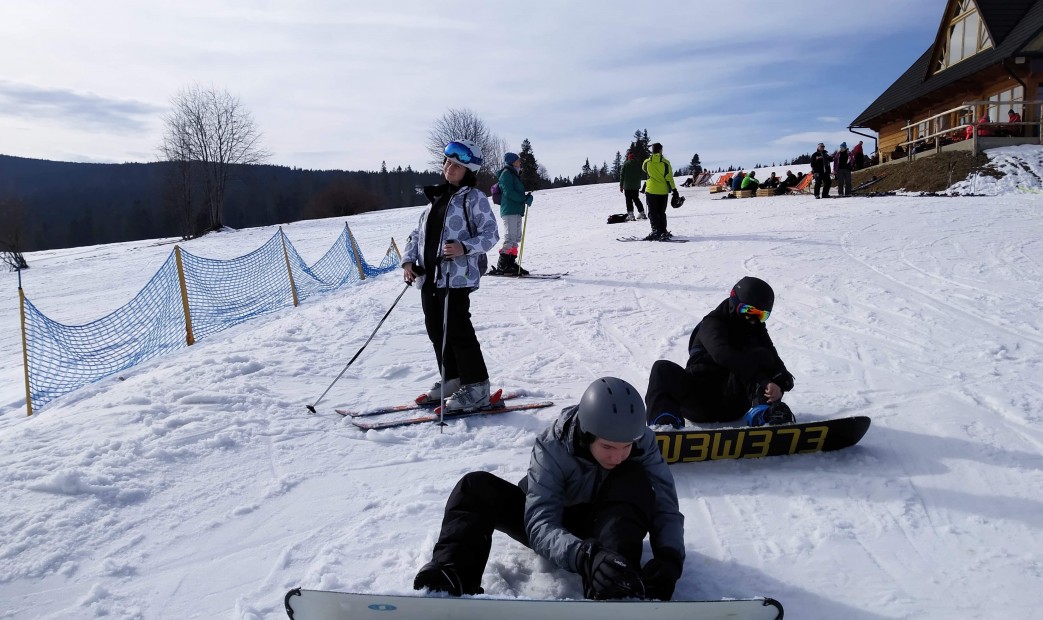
point(725, 343)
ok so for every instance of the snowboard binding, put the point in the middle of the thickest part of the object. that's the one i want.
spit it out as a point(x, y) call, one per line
point(773, 414)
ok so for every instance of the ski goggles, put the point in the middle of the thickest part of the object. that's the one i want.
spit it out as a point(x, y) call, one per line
point(750, 311)
point(461, 153)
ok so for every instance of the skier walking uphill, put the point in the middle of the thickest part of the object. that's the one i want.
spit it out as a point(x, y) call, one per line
point(630, 177)
point(596, 485)
point(513, 201)
point(732, 368)
point(660, 183)
point(442, 258)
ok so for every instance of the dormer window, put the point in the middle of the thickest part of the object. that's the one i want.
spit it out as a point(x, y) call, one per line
point(966, 36)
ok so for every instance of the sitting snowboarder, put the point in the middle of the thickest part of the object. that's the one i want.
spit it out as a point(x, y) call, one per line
point(597, 484)
point(732, 368)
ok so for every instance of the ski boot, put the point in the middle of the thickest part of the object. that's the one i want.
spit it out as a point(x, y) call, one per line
point(630, 216)
point(641, 215)
point(434, 395)
point(470, 397)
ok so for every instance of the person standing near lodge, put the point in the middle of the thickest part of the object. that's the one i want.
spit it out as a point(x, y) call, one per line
point(660, 184)
point(842, 161)
point(630, 178)
point(820, 168)
point(859, 155)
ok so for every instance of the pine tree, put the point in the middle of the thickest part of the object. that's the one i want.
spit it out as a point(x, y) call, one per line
point(696, 165)
point(617, 166)
point(530, 168)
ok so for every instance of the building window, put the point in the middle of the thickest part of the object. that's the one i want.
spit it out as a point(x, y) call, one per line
point(1001, 102)
point(967, 36)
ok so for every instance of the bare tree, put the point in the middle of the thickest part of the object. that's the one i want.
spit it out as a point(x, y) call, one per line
point(460, 124)
point(212, 129)
point(12, 243)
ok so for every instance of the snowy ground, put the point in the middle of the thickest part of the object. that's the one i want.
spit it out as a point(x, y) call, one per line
point(199, 487)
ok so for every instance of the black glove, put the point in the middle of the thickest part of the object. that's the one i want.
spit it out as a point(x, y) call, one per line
point(606, 574)
point(660, 574)
point(675, 192)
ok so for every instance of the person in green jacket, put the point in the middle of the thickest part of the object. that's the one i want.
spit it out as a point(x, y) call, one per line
point(630, 178)
point(751, 182)
point(513, 202)
point(660, 184)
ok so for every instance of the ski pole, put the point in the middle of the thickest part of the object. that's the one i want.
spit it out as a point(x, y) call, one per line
point(311, 407)
point(521, 246)
point(445, 332)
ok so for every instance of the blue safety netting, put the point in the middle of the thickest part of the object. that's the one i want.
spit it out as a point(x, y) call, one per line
point(221, 293)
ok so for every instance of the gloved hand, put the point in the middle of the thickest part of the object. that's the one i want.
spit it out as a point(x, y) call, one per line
point(675, 192)
point(528, 200)
point(606, 574)
point(660, 574)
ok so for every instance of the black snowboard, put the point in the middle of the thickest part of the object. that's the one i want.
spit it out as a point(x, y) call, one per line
point(750, 442)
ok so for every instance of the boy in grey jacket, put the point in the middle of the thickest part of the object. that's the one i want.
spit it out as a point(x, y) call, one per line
point(597, 485)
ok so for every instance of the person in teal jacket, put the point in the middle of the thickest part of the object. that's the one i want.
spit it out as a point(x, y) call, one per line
point(630, 177)
point(660, 184)
point(513, 202)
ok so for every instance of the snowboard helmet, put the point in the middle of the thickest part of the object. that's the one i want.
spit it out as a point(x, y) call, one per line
point(466, 153)
point(677, 200)
point(613, 410)
point(754, 292)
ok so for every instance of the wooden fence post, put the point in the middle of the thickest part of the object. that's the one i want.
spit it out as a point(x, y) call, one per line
point(189, 338)
point(286, 255)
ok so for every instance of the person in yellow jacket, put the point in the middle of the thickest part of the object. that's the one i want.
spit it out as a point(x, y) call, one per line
point(659, 185)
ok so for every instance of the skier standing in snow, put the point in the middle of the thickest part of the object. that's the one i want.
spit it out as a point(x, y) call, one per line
point(442, 258)
point(732, 368)
point(820, 168)
point(596, 485)
point(660, 184)
point(513, 202)
point(843, 161)
point(630, 178)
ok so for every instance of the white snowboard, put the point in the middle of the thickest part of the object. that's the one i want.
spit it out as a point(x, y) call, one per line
point(321, 605)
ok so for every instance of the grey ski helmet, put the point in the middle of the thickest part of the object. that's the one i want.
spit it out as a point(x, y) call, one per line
point(613, 410)
point(753, 291)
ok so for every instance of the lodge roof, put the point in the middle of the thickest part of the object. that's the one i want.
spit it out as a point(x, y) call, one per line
point(1012, 24)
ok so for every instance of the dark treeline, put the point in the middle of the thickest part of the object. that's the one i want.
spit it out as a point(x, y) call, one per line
point(62, 204)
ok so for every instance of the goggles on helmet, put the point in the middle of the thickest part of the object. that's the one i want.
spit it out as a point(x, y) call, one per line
point(750, 311)
point(461, 153)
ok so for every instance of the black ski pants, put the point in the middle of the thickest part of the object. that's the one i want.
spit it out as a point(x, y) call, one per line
point(822, 181)
point(481, 503)
point(707, 395)
point(463, 354)
point(657, 211)
point(633, 198)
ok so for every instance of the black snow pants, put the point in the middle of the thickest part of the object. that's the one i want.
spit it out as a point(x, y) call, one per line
point(633, 197)
point(463, 354)
point(706, 395)
point(481, 503)
point(657, 211)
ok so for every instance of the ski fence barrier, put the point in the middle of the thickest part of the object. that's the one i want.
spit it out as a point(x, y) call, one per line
point(188, 298)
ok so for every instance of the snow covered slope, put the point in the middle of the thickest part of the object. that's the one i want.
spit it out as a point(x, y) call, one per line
point(198, 486)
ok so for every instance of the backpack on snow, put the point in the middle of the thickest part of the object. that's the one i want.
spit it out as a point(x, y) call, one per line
point(617, 218)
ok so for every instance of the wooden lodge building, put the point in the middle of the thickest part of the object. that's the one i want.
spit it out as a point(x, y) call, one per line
point(986, 59)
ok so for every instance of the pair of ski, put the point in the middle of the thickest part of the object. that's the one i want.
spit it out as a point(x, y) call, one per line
point(528, 276)
point(667, 240)
point(433, 413)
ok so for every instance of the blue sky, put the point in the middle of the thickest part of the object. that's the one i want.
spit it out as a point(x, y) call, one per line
point(346, 85)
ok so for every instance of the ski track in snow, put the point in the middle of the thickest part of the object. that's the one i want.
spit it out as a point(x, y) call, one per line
point(197, 485)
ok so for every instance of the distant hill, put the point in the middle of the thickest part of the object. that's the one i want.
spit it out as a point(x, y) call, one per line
point(66, 204)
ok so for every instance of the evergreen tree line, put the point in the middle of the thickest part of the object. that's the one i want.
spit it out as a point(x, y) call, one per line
point(63, 204)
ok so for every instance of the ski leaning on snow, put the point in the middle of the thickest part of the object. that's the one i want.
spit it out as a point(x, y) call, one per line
point(749, 442)
point(500, 395)
point(496, 406)
point(322, 605)
point(669, 240)
point(529, 276)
